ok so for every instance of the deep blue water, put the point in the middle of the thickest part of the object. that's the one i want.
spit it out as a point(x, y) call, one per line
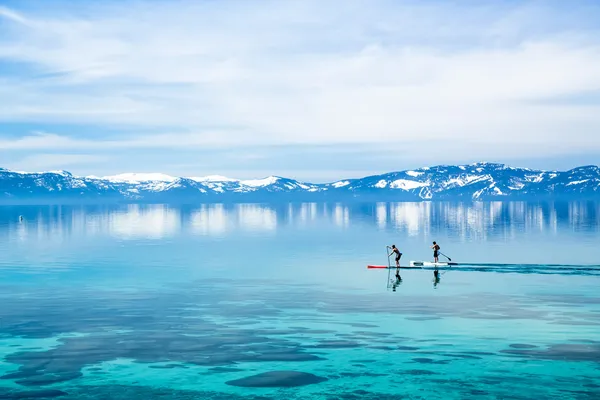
point(269, 302)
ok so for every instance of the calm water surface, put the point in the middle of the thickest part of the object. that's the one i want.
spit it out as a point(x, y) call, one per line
point(275, 301)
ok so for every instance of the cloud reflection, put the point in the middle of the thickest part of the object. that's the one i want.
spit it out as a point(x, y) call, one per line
point(217, 220)
point(256, 217)
point(209, 220)
point(154, 222)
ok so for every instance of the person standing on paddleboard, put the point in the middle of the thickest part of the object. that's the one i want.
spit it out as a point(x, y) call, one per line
point(398, 255)
point(436, 249)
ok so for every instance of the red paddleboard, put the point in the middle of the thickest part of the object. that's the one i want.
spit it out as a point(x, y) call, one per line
point(377, 266)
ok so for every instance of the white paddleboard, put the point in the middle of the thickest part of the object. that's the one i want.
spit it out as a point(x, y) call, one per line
point(431, 264)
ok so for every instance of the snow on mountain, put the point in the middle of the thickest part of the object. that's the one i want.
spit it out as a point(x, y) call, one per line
point(260, 182)
point(407, 184)
point(478, 181)
point(414, 173)
point(577, 182)
point(138, 178)
point(340, 184)
point(213, 178)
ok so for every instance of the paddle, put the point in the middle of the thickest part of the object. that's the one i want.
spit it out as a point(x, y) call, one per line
point(388, 255)
point(449, 259)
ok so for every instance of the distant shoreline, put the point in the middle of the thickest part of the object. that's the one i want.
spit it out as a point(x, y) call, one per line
point(474, 182)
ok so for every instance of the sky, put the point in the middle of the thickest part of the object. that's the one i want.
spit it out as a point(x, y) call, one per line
point(307, 89)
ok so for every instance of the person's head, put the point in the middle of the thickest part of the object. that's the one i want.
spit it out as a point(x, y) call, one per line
point(434, 243)
point(393, 246)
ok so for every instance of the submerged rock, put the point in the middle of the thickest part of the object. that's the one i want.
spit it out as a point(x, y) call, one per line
point(32, 394)
point(278, 379)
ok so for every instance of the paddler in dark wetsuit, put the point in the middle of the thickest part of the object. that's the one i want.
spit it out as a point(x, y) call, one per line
point(436, 249)
point(398, 255)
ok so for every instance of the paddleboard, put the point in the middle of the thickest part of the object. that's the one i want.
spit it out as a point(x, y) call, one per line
point(416, 265)
point(431, 264)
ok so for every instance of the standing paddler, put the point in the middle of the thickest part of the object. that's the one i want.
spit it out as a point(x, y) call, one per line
point(436, 249)
point(397, 253)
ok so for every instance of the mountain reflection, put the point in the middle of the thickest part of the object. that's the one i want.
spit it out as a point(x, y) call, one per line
point(216, 219)
point(464, 220)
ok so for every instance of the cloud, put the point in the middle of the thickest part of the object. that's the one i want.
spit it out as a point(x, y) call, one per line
point(13, 16)
point(239, 74)
point(52, 141)
point(45, 161)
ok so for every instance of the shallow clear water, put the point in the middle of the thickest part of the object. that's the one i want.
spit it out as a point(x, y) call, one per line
point(261, 302)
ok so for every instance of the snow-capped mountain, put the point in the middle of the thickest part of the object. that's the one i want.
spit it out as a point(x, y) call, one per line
point(479, 181)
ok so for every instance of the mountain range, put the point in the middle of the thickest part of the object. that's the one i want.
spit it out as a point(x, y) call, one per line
point(478, 181)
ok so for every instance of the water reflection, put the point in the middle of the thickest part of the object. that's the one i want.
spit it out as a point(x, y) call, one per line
point(437, 277)
point(255, 218)
point(341, 215)
point(135, 222)
point(209, 220)
point(395, 282)
point(465, 221)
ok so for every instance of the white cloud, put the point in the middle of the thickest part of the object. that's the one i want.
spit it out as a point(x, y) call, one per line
point(13, 16)
point(306, 72)
point(37, 162)
point(52, 141)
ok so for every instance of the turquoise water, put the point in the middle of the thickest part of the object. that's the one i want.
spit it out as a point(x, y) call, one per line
point(271, 302)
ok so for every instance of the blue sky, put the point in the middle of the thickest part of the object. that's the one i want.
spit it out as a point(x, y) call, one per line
point(306, 89)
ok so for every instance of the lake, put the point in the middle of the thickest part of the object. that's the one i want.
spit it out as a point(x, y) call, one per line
point(256, 301)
